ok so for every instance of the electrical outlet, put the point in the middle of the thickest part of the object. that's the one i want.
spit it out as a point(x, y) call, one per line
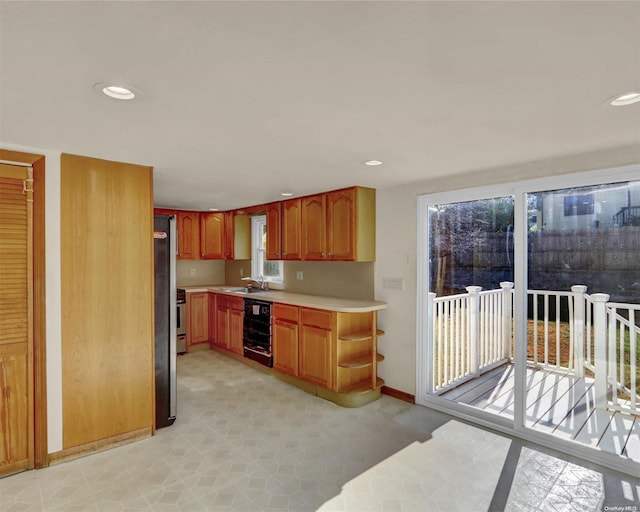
point(193, 271)
point(299, 275)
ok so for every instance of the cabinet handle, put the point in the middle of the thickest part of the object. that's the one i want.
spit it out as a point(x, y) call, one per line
point(322, 254)
point(330, 254)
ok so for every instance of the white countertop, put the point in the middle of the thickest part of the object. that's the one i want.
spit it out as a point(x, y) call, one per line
point(297, 299)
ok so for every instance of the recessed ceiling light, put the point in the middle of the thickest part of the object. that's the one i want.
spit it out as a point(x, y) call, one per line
point(286, 194)
point(116, 91)
point(214, 209)
point(373, 162)
point(627, 98)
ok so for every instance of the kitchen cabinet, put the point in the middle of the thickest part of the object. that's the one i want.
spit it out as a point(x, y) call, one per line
point(212, 236)
point(236, 324)
point(356, 353)
point(188, 229)
point(285, 339)
point(229, 317)
point(273, 213)
point(222, 321)
point(314, 346)
point(197, 328)
point(291, 229)
point(314, 227)
point(339, 225)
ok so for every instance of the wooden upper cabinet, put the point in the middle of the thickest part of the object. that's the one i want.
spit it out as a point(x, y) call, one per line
point(163, 211)
point(274, 231)
point(188, 227)
point(225, 236)
point(342, 224)
point(291, 229)
point(229, 249)
point(314, 220)
point(212, 237)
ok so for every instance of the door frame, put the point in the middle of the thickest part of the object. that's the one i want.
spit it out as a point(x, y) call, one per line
point(37, 162)
point(519, 189)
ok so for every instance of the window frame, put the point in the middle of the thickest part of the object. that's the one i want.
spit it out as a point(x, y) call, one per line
point(258, 253)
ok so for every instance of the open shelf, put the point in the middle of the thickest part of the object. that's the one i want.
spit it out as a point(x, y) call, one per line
point(362, 387)
point(360, 362)
point(357, 336)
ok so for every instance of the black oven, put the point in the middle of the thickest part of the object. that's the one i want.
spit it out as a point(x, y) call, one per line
point(256, 334)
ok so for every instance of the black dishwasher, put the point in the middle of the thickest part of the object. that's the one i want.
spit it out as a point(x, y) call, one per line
point(256, 333)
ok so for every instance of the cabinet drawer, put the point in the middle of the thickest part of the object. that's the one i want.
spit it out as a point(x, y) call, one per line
point(236, 303)
point(316, 317)
point(284, 312)
point(221, 300)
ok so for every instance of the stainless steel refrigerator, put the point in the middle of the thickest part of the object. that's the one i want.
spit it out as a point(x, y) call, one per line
point(164, 238)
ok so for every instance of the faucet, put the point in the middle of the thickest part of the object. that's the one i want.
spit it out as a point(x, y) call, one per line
point(260, 282)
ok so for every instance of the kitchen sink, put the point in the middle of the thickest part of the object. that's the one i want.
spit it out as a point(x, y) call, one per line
point(243, 289)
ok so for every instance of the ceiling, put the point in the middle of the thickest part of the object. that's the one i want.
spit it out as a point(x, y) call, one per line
point(240, 101)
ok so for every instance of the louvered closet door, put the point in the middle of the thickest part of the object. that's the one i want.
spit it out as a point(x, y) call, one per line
point(16, 379)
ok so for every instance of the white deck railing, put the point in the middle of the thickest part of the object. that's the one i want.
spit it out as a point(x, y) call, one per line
point(471, 333)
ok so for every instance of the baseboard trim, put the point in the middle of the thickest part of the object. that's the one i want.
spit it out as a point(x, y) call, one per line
point(98, 446)
point(400, 395)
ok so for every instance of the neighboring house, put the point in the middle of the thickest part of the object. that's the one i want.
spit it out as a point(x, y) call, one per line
point(589, 207)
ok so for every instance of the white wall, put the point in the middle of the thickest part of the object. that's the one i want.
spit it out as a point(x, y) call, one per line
point(396, 240)
point(53, 294)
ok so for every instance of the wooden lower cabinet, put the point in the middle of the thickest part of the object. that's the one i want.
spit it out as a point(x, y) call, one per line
point(315, 355)
point(222, 322)
point(236, 323)
point(197, 318)
point(229, 318)
point(331, 354)
point(285, 339)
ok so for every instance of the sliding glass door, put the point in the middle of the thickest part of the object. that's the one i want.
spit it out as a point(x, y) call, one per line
point(470, 302)
point(529, 310)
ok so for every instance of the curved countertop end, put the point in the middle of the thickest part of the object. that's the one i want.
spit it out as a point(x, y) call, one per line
point(298, 299)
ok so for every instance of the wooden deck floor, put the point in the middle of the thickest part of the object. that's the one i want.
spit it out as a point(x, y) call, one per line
point(559, 404)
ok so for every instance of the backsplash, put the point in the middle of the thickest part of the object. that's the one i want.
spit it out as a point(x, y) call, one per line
point(331, 278)
point(206, 272)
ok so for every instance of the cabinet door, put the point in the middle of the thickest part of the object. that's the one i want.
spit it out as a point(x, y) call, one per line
point(341, 225)
point(188, 235)
point(212, 236)
point(274, 231)
point(236, 318)
point(213, 310)
point(291, 234)
point(198, 323)
point(314, 222)
point(222, 322)
point(229, 235)
point(315, 356)
point(285, 346)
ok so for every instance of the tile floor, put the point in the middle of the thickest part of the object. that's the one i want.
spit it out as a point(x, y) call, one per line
point(245, 441)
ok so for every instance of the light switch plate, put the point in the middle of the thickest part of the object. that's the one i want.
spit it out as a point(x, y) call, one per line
point(299, 275)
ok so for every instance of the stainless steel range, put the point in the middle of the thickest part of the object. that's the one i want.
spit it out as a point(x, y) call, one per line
point(256, 336)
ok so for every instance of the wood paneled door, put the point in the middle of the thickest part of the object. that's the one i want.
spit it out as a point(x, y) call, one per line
point(16, 319)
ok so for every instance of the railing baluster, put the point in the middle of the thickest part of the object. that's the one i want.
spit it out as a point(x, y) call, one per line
point(600, 340)
point(558, 331)
point(546, 329)
point(633, 357)
point(612, 363)
point(535, 328)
